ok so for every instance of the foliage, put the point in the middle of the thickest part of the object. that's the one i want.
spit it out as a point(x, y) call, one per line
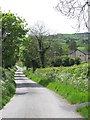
point(60, 45)
point(77, 60)
point(7, 84)
point(84, 111)
point(62, 61)
point(29, 53)
point(71, 62)
point(13, 29)
point(88, 47)
point(70, 82)
point(60, 40)
point(65, 60)
point(72, 45)
point(56, 62)
point(58, 48)
point(40, 34)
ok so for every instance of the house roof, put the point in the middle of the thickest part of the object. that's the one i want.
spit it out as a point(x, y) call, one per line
point(86, 53)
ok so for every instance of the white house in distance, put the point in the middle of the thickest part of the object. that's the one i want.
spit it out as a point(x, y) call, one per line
point(84, 56)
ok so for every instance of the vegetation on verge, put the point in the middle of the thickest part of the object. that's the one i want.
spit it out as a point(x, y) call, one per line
point(69, 82)
point(8, 85)
point(84, 111)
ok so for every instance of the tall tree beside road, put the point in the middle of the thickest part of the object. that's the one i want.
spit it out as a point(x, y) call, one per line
point(13, 29)
point(40, 35)
point(0, 38)
point(29, 53)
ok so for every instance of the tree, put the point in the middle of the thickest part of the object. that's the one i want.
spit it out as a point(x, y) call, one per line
point(13, 29)
point(88, 48)
point(57, 48)
point(29, 53)
point(57, 61)
point(0, 38)
point(72, 45)
point(54, 50)
point(40, 35)
point(78, 9)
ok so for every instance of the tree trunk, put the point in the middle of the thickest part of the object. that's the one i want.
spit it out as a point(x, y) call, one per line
point(42, 60)
point(34, 67)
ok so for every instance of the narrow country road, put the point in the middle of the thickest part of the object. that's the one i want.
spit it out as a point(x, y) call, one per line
point(32, 100)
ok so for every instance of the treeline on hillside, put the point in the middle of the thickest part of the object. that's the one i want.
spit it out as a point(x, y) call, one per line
point(82, 40)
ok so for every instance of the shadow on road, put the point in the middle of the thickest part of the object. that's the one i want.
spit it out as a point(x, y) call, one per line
point(21, 85)
point(21, 78)
point(21, 93)
point(19, 75)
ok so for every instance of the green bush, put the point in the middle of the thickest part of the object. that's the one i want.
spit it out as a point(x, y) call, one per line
point(84, 111)
point(8, 85)
point(77, 60)
point(71, 62)
point(64, 60)
point(57, 62)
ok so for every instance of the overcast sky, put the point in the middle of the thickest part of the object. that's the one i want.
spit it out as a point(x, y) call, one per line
point(40, 10)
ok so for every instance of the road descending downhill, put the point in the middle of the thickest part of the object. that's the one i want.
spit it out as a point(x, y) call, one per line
point(32, 100)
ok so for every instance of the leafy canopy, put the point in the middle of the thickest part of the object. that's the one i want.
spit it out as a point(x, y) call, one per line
point(13, 31)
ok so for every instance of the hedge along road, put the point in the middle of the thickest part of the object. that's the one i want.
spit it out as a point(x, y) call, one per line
point(32, 100)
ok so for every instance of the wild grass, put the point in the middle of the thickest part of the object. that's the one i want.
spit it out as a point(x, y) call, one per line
point(84, 111)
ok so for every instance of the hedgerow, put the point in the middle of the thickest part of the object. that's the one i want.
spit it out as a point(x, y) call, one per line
point(8, 85)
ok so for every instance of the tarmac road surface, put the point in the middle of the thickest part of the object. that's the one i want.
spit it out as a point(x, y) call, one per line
point(32, 100)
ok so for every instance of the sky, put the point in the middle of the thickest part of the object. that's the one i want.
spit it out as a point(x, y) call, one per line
point(42, 11)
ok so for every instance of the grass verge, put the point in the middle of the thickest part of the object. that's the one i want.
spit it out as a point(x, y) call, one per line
point(84, 111)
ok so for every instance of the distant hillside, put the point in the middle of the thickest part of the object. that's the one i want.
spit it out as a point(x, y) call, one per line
point(64, 39)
